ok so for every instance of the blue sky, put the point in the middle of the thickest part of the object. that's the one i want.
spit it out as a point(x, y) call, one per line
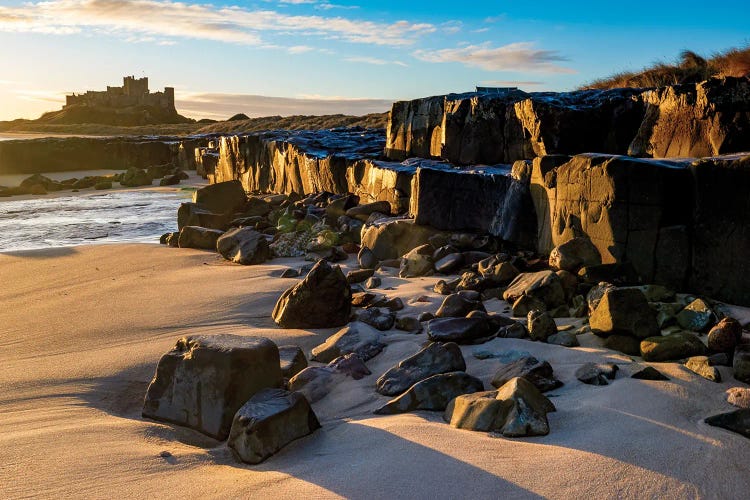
point(338, 55)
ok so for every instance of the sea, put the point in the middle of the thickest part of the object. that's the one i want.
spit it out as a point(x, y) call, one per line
point(135, 216)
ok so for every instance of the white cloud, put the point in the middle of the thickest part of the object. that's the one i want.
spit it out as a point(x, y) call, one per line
point(220, 106)
point(521, 56)
point(374, 60)
point(299, 49)
point(167, 18)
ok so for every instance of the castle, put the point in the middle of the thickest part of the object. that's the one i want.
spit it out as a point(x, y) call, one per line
point(134, 92)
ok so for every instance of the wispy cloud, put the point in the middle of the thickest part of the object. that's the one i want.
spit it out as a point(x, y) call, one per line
point(170, 19)
point(374, 60)
point(221, 106)
point(521, 56)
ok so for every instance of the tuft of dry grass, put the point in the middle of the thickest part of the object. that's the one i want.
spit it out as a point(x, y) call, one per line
point(689, 68)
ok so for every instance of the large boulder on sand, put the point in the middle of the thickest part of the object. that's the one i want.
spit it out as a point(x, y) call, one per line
point(433, 393)
point(357, 337)
point(537, 372)
point(544, 286)
point(322, 300)
point(461, 330)
point(434, 359)
point(270, 420)
point(192, 214)
point(198, 237)
point(244, 246)
point(517, 409)
point(624, 311)
point(204, 380)
point(222, 197)
point(672, 347)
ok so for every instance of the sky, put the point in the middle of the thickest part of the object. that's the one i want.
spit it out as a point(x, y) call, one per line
point(287, 57)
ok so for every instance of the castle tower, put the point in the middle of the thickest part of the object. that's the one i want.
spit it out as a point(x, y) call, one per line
point(135, 87)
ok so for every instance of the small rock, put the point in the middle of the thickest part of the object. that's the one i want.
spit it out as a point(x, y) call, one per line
point(434, 359)
point(739, 397)
point(425, 316)
point(442, 288)
point(165, 454)
point(574, 254)
point(433, 393)
point(373, 282)
point(377, 317)
point(270, 420)
point(537, 372)
point(459, 304)
point(672, 347)
point(292, 360)
point(359, 275)
point(596, 373)
point(358, 338)
point(408, 324)
point(290, 273)
point(543, 285)
point(363, 299)
point(517, 409)
point(417, 263)
point(697, 316)
point(649, 373)
point(525, 304)
point(460, 330)
point(367, 259)
point(737, 421)
point(540, 325)
point(701, 366)
point(244, 246)
point(513, 331)
point(725, 336)
point(741, 364)
point(565, 339)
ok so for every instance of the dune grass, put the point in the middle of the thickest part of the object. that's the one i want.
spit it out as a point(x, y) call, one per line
point(689, 68)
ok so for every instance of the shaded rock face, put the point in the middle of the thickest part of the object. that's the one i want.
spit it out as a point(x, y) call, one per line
point(741, 364)
point(632, 210)
point(191, 214)
point(270, 420)
point(517, 409)
point(322, 300)
point(433, 393)
point(243, 246)
point(358, 338)
point(487, 199)
point(204, 380)
point(84, 153)
point(434, 359)
point(292, 360)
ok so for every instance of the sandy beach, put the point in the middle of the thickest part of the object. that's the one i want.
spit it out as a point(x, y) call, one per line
point(83, 328)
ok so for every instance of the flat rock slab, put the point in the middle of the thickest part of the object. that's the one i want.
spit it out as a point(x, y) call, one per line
point(205, 379)
point(434, 359)
point(270, 420)
point(736, 421)
point(433, 393)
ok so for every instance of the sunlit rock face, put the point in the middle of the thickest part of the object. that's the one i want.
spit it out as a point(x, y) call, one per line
point(695, 120)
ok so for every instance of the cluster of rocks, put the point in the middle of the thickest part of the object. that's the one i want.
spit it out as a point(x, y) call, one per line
point(39, 184)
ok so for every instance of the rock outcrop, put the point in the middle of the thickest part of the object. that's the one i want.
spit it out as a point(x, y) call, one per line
point(204, 380)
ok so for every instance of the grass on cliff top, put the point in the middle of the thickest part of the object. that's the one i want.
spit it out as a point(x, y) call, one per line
point(689, 68)
point(180, 129)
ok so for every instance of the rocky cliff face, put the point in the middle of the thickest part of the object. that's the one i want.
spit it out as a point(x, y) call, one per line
point(91, 153)
point(469, 129)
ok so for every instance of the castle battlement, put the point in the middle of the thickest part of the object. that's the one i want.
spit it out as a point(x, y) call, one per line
point(134, 92)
